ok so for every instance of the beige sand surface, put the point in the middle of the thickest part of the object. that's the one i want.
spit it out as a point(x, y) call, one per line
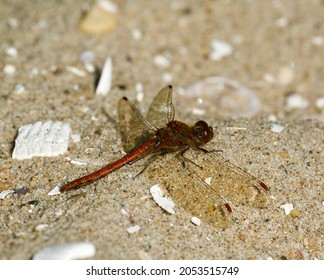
point(267, 38)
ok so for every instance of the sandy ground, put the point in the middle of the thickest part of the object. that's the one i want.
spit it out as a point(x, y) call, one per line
point(267, 38)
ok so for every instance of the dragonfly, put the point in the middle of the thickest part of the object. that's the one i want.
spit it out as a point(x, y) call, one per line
point(159, 134)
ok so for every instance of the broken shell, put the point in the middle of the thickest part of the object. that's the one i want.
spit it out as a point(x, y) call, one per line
point(41, 139)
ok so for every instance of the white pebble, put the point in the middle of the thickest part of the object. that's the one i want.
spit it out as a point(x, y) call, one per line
point(41, 227)
point(167, 77)
point(287, 208)
point(105, 81)
point(320, 103)
point(161, 61)
point(87, 56)
point(9, 69)
point(165, 203)
point(41, 139)
point(67, 251)
point(139, 92)
point(4, 193)
point(11, 51)
point(19, 89)
point(282, 22)
point(296, 101)
point(137, 34)
point(318, 40)
point(208, 180)
point(285, 75)
point(133, 229)
point(276, 128)
point(220, 49)
point(196, 221)
point(54, 191)
point(108, 6)
point(13, 22)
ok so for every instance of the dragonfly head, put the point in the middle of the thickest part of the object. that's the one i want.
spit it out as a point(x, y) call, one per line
point(202, 133)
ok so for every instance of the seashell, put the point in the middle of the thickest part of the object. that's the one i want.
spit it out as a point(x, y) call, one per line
point(105, 80)
point(164, 202)
point(41, 139)
point(66, 251)
point(99, 19)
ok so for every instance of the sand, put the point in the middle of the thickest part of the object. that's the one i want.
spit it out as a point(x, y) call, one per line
point(278, 51)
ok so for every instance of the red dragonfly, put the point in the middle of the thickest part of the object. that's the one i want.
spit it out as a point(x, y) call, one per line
point(160, 134)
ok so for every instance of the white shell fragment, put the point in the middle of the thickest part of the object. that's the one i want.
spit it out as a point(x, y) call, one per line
point(296, 101)
point(41, 139)
point(76, 71)
point(165, 203)
point(276, 128)
point(161, 61)
point(54, 191)
point(9, 69)
point(133, 229)
point(12, 51)
point(219, 49)
point(287, 208)
point(105, 81)
point(66, 251)
point(4, 193)
point(196, 221)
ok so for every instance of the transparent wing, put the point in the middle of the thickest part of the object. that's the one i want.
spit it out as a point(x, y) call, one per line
point(161, 109)
point(189, 192)
point(228, 180)
point(134, 128)
point(205, 184)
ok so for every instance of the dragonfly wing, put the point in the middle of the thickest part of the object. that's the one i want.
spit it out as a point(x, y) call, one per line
point(161, 110)
point(228, 180)
point(189, 192)
point(134, 128)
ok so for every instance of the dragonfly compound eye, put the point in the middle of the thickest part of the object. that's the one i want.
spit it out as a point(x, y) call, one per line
point(203, 132)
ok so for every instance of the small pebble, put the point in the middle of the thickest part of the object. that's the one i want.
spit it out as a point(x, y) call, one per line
point(296, 101)
point(196, 221)
point(19, 89)
point(137, 34)
point(320, 103)
point(285, 75)
point(318, 40)
point(208, 180)
point(11, 51)
point(282, 22)
point(288, 207)
point(161, 61)
point(165, 203)
point(219, 49)
point(276, 128)
point(167, 78)
point(133, 229)
point(9, 69)
point(41, 227)
point(66, 251)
